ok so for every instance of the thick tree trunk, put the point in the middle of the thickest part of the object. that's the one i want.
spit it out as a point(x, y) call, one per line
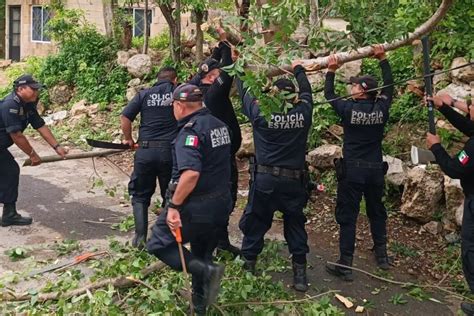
point(108, 17)
point(314, 13)
point(199, 35)
point(244, 14)
point(146, 30)
point(174, 23)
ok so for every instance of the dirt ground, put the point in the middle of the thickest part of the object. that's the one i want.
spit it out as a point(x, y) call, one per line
point(64, 203)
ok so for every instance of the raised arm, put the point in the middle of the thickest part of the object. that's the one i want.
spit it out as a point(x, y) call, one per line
point(249, 102)
point(303, 82)
point(329, 92)
point(386, 93)
point(443, 103)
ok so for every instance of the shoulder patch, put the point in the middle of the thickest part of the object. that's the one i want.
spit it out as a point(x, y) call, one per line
point(463, 157)
point(189, 124)
point(191, 140)
point(219, 79)
point(383, 96)
point(17, 99)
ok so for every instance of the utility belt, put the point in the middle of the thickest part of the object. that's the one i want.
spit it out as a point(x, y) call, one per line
point(199, 196)
point(364, 164)
point(279, 172)
point(342, 164)
point(154, 144)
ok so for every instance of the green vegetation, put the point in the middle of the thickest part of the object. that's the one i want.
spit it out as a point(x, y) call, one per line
point(159, 293)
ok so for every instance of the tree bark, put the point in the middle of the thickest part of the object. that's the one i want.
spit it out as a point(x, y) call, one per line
point(108, 17)
point(174, 24)
point(244, 15)
point(146, 30)
point(344, 57)
point(118, 282)
point(87, 154)
point(314, 13)
point(199, 35)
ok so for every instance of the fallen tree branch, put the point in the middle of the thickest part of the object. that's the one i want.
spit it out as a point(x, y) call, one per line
point(118, 282)
point(302, 300)
point(402, 283)
point(344, 57)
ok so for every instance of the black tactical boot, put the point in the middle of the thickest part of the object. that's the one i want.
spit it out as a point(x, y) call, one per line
point(224, 244)
point(140, 216)
point(11, 217)
point(198, 298)
point(381, 257)
point(344, 274)
point(249, 265)
point(300, 282)
point(211, 275)
point(467, 308)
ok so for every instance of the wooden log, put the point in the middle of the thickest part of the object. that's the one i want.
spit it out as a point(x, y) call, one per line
point(88, 154)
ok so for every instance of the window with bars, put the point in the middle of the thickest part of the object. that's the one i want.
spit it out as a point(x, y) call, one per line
point(139, 22)
point(39, 19)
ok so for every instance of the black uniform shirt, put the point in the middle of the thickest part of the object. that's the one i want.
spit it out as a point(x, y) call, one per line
point(216, 96)
point(363, 120)
point(281, 142)
point(203, 145)
point(15, 115)
point(462, 165)
point(157, 119)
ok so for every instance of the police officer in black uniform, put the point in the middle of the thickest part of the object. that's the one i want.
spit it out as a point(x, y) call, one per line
point(18, 110)
point(461, 167)
point(199, 196)
point(361, 170)
point(278, 174)
point(153, 157)
point(215, 85)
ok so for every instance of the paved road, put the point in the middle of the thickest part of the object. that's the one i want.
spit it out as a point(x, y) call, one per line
point(59, 196)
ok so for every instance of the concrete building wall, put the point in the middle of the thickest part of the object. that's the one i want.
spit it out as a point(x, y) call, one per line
point(93, 12)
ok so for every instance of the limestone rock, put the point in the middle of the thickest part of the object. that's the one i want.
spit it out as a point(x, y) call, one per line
point(60, 94)
point(122, 58)
point(131, 93)
point(454, 197)
point(457, 91)
point(78, 108)
point(440, 78)
point(134, 82)
point(433, 227)
point(396, 173)
point(465, 74)
point(55, 117)
point(316, 79)
point(139, 65)
point(323, 156)
point(247, 147)
point(350, 69)
point(422, 193)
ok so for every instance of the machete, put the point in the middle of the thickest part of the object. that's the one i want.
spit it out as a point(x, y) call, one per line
point(109, 145)
point(418, 155)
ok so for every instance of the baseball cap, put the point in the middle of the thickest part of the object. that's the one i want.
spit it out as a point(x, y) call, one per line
point(27, 80)
point(208, 65)
point(367, 82)
point(187, 93)
point(285, 85)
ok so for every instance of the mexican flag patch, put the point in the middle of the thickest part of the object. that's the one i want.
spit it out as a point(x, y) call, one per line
point(191, 140)
point(463, 157)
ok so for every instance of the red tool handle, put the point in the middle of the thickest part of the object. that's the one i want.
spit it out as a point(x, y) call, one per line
point(179, 238)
